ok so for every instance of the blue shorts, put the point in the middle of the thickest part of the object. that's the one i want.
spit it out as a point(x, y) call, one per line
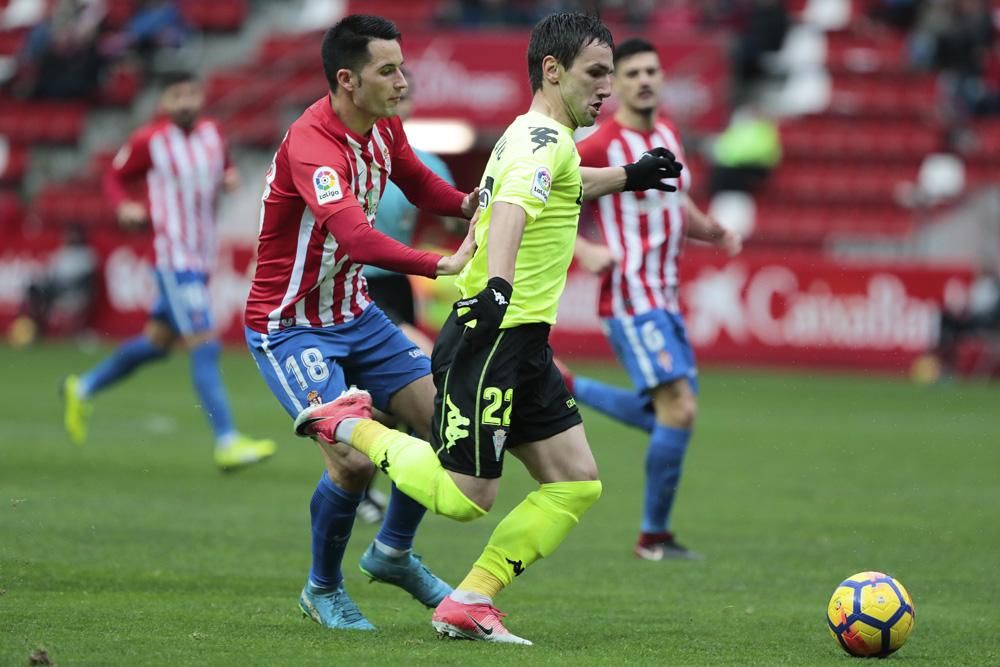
point(311, 365)
point(653, 347)
point(184, 303)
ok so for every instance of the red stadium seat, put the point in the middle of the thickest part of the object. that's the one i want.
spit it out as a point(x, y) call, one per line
point(11, 41)
point(73, 202)
point(215, 16)
point(42, 122)
point(825, 138)
point(11, 211)
point(13, 162)
point(406, 13)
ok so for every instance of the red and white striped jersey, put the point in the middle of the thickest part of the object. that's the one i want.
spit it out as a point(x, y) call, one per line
point(643, 230)
point(321, 194)
point(183, 171)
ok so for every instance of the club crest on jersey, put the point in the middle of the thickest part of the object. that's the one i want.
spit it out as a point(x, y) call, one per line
point(313, 398)
point(327, 186)
point(541, 184)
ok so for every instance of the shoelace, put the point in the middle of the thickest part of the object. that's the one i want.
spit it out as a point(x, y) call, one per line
point(348, 610)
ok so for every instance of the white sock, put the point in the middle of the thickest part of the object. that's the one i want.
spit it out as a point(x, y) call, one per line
point(225, 441)
point(345, 429)
point(392, 552)
point(470, 597)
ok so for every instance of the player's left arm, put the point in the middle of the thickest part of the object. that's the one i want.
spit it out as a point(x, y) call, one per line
point(703, 227)
point(646, 173)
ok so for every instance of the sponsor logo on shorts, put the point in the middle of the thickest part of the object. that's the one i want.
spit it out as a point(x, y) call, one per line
point(457, 424)
point(665, 360)
point(571, 403)
point(416, 354)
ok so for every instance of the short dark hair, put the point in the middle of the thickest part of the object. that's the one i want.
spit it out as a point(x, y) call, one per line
point(631, 47)
point(345, 45)
point(562, 36)
point(174, 77)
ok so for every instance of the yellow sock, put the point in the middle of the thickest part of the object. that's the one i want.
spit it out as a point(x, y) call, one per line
point(480, 581)
point(412, 464)
point(532, 531)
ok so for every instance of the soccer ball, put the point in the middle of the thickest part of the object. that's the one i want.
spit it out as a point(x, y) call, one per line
point(870, 614)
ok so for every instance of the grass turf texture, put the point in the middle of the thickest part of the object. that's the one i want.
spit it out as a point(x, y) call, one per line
point(134, 550)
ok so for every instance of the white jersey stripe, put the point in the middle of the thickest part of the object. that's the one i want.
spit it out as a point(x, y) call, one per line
point(169, 228)
point(295, 280)
point(328, 266)
point(183, 170)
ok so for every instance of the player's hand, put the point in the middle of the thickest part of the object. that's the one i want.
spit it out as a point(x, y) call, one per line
point(131, 214)
point(595, 258)
point(449, 266)
point(231, 179)
point(648, 172)
point(730, 242)
point(471, 203)
point(487, 308)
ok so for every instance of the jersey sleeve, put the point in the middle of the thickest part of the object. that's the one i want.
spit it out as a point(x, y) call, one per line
point(131, 161)
point(325, 189)
point(526, 178)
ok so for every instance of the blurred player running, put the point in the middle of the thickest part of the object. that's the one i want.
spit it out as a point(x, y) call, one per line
point(638, 302)
point(310, 324)
point(497, 385)
point(184, 161)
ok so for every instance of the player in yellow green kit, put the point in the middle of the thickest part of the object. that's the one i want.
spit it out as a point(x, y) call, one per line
point(497, 388)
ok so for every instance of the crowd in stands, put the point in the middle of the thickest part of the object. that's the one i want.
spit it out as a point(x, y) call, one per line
point(958, 40)
point(67, 54)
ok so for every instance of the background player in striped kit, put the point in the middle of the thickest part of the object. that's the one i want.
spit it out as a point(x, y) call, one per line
point(184, 162)
point(310, 323)
point(638, 305)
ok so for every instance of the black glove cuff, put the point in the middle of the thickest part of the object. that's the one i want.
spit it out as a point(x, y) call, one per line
point(630, 177)
point(501, 285)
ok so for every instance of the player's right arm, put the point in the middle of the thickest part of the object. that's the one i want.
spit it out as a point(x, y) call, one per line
point(324, 189)
point(132, 160)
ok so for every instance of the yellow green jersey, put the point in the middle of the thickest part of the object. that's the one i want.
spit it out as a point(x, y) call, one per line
point(534, 165)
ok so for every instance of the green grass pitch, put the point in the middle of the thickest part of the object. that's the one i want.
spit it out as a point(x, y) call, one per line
point(133, 550)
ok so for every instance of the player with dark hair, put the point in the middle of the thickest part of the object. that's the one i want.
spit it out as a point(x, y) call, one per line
point(497, 387)
point(184, 162)
point(638, 305)
point(310, 324)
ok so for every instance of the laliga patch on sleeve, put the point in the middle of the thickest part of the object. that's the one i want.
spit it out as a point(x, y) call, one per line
point(327, 186)
point(541, 184)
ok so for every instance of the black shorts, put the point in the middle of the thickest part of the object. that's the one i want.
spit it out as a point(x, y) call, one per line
point(394, 296)
point(499, 396)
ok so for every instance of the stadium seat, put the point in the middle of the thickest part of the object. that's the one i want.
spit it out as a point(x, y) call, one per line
point(13, 162)
point(42, 122)
point(11, 211)
point(216, 16)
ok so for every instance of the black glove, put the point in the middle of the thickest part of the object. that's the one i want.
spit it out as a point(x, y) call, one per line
point(487, 308)
point(648, 172)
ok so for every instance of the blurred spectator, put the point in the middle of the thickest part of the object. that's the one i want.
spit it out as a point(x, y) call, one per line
point(64, 293)
point(980, 317)
point(764, 26)
point(746, 151)
point(900, 14)
point(60, 58)
point(955, 37)
point(156, 24)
